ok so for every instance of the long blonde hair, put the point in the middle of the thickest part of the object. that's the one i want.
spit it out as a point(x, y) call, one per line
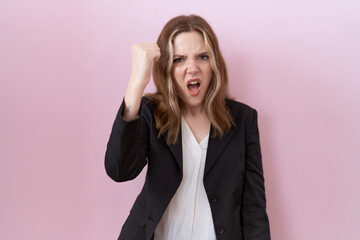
point(166, 100)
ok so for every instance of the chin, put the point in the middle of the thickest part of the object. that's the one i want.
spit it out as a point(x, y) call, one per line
point(195, 102)
point(192, 101)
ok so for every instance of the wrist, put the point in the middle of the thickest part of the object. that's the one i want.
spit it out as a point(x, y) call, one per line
point(138, 83)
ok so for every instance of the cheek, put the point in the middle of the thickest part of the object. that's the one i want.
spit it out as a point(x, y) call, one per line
point(208, 72)
point(177, 74)
point(176, 77)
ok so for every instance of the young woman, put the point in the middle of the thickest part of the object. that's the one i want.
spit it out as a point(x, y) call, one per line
point(204, 179)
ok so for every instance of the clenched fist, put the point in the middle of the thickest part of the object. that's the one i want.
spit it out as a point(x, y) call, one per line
point(143, 57)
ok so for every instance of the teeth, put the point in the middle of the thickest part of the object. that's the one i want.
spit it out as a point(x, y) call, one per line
point(193, 82)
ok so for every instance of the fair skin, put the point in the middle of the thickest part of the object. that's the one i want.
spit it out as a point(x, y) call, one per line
point(191, 65)
point(142, 58)
point(191, 73)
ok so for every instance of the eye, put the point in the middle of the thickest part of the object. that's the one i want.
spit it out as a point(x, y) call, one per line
point(177, 60)
point(204, 57)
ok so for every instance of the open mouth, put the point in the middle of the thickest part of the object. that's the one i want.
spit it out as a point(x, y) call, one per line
point(194, 87)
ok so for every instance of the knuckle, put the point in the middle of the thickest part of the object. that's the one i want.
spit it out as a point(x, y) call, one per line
point(134, 47)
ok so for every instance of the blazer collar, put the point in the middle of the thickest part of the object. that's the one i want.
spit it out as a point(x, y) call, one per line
point(215, 148)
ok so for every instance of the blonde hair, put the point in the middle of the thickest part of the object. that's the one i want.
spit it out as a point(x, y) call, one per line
point(166, 100)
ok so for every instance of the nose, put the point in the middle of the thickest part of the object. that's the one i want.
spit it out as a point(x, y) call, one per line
point(192, 66)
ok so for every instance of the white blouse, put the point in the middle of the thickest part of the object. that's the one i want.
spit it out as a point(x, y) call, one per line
point(188, 215)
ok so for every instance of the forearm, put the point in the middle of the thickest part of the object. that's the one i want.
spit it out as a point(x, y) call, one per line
point(125, 155)
point(132, 100)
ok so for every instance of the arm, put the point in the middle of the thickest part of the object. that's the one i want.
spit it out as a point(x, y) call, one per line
point(127, 147)
point(255, 222)
point(143, 56)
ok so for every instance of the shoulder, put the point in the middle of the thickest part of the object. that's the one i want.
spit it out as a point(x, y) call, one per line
point(241, 112)
point(237, 107)
point(147, 108)
point(146, 105)
point(146, 102)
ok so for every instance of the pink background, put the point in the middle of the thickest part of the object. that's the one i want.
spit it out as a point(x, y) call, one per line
point(64, 67)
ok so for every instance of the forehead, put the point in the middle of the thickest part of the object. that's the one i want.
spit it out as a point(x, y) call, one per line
point(189, 42)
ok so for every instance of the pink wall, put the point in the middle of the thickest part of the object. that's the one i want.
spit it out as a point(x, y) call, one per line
point(64, 67)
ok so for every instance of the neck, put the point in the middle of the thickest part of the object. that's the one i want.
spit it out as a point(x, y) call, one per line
point(192, 111)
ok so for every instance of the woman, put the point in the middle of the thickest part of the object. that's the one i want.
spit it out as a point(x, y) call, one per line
point(204, 177)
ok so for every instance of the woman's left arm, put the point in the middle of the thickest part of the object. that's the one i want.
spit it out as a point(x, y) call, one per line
point(255, 222)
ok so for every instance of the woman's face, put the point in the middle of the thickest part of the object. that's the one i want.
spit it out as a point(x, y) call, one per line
point(191, 70)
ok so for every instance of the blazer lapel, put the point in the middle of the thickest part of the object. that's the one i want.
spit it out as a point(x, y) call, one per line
point(176, 150)
point(215, 148)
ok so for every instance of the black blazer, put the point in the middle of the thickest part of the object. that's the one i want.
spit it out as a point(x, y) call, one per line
point(233, 177)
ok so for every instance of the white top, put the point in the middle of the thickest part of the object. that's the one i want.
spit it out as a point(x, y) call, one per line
point(188, 215)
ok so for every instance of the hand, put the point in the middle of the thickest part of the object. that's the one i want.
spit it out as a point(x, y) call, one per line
point(143, 57)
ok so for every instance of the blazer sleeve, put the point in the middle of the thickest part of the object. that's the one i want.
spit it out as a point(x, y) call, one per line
point(127, 147)
point(255, 222)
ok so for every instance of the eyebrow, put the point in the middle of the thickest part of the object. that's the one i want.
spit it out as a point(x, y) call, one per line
point(203, 53)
